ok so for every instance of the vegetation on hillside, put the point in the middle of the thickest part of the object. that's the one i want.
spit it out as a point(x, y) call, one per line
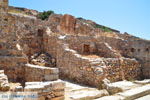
point(44, 15)
point(103, 28)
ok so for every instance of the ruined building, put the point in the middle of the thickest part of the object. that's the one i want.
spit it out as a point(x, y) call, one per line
point(33, 52)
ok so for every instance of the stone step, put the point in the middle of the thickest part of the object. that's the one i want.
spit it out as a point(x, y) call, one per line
point(78, 92)
point(87, 94)
point(1, 71)
point(44, 86)
point(136, 92)
point(40, 73)
point(110, 98)
point(146, 81)
point(147, 97)
point(119, 86)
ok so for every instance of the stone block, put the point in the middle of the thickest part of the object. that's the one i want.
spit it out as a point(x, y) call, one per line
point(51, 77)
point(58, 85)
point(59, 93)
point(58, 98)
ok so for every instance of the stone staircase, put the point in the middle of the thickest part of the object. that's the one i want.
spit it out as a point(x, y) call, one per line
point(138, 90)
point(133, 91)
point(78, 92)
point(45, 81)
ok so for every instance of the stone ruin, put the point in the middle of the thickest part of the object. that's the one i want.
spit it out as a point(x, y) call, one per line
point(35, 53)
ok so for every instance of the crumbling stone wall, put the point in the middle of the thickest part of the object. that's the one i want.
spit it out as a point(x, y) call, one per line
point(139, 49)
point(3, 6)
point(92, 71)
point(73, 49)
point(103, 46)
point(122, 68)
point(19, 39)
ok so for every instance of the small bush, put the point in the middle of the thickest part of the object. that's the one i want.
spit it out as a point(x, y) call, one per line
point(103, 28)
point(44, 15)
point(80, 18)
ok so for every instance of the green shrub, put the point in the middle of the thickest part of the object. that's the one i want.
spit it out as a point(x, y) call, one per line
point(44, 15)
point(80, 18)
point(103, 28)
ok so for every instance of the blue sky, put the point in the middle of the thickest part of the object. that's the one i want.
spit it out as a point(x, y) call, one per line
point(132, 16)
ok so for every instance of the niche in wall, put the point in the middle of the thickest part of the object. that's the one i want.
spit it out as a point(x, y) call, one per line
point(132, 50)
point(147, 50)
point(86, 48)
point(40, 32)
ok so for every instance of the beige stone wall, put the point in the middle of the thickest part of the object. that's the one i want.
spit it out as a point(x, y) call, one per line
point(20, 33)
point(139, 49)
point(52, 90)
point(14, 67)
point(92, 71)
point(3, 6)
point(119, 69)
point(19, 39)
point(35, 73)
point(23, 36)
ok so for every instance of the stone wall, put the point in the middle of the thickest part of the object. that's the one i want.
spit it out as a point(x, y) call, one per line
point(139, 49)
point(19, 39)
point(14, 67)
point(52, 90)
point(122, 68)
point(103, 46)
point(48, 90)
point(91, 70)
point(83, 53)
point(35, 73)
point(20, 33)
point(3, 6)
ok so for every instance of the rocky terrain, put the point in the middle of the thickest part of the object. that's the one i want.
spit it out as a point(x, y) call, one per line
point(35, 53)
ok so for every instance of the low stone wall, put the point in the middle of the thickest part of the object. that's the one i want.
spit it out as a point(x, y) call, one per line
point(34, 73)
point(51, 90)
point(14, 67)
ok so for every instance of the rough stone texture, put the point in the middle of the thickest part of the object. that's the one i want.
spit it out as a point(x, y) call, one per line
point(48, 90)
point(3, 6)
point(43, 60)
point(80, 92)
point(82, 52)
point(139, 49)
point(67, 24)
point(14, 67)
point(81, 68)
point(4, 84)
point(34, 73)
point(136, 92)
point(119, 86)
